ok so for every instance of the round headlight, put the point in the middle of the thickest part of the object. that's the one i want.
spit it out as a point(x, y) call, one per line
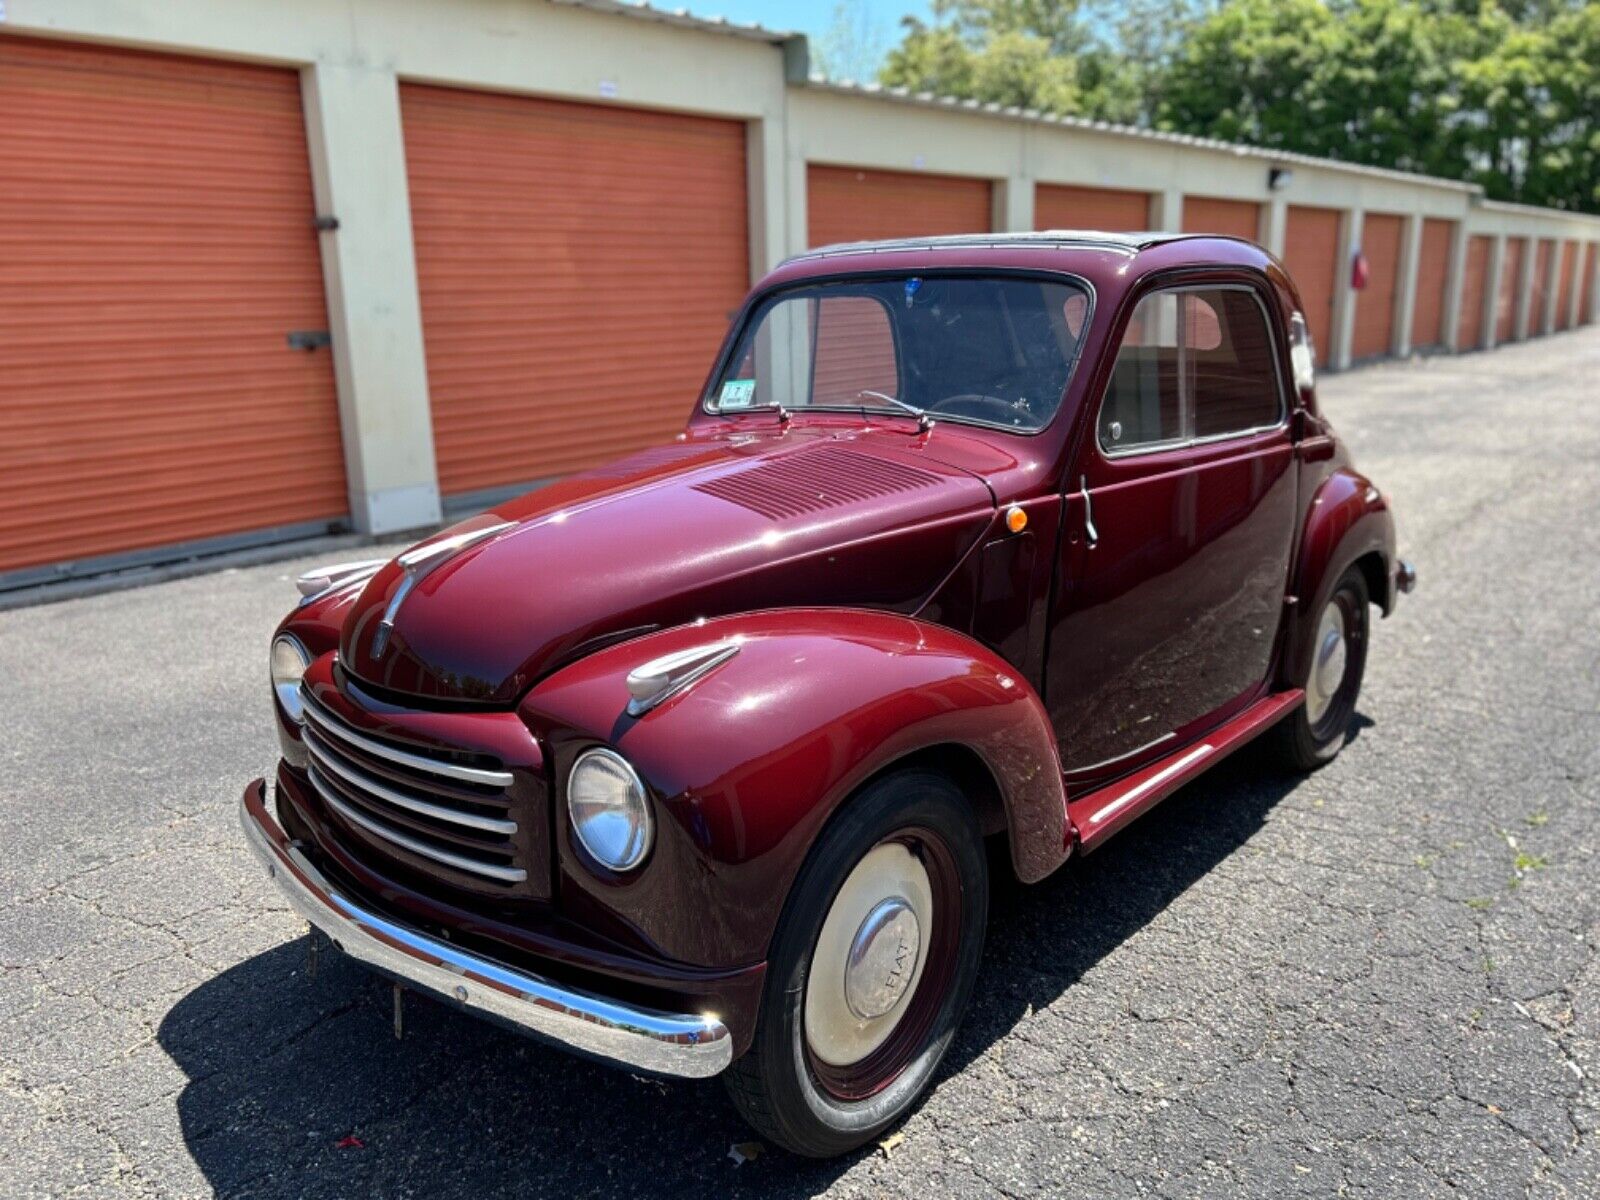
point(289, 663)
point(610, 815)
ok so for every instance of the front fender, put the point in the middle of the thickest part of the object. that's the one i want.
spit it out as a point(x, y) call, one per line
point(1348, 518)
point(747, 765)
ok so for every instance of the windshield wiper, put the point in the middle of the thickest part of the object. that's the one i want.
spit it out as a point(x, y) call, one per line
point(924, 421)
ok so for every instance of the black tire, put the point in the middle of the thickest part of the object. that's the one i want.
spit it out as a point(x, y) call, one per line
point(788, 1095)
point(1308, 740)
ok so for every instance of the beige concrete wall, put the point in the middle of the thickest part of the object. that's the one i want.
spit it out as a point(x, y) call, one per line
point(353, 53)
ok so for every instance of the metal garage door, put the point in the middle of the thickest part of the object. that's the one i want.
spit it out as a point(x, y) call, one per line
point(1568, 276)
point(1234, 218)
point(1380, 242)
point(1540, 303)
point(1056, 206)
point(848, 205)
point(1469, 326)
point(577, 265)
point(1505, 301)
point(156, 247)
point(1588, 284)
point(1311, 252)
point(1433, 273)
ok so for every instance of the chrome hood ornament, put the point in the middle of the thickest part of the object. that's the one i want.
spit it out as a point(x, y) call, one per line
point(421, 561)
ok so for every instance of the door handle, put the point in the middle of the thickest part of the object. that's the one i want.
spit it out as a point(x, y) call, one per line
point(1089, 531)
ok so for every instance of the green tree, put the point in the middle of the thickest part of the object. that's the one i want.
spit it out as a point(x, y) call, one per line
point(1502, 92)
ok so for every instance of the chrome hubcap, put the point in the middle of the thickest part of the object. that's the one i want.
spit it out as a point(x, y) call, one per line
point(1327, 665)
point(869, 957)
point(882, 958)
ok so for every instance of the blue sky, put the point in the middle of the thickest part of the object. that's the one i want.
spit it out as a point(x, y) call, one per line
point(804, 16)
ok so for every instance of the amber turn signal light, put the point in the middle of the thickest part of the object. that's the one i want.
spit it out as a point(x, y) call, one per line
point(1016, 519)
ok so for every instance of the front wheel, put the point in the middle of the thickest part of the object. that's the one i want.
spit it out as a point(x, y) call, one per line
point(1316, 731)
point(871, 969)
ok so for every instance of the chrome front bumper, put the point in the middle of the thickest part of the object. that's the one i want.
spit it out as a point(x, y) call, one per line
point(635, 1038)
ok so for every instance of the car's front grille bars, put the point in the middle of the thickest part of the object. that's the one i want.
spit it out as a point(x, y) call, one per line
point(447, 812)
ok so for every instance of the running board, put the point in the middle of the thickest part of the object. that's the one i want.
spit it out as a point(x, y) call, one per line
point(1095, 816)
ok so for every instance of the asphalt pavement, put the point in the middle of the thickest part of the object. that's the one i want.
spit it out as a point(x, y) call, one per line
point(1381, 980)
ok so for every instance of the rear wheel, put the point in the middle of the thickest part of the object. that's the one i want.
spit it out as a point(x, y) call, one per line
point(1316, 731)
point(871, 970)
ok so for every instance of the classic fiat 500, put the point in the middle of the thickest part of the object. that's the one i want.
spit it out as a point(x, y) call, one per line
point(688, 762)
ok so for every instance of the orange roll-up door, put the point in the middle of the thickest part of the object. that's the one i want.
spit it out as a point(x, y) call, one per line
point(1311, 252)
point(1433, 272)
point(844, 204)
point(1588, 284)
point(156, 250)
point(1380, 242)
point(1568, 277)
point(1469, 326)
point(1505, 301)
point(1539, 304)
point(1232, 218)
point(1112, 210)
point(577, 265)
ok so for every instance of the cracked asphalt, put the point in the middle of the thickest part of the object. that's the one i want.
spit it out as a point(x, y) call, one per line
point(1380, 980)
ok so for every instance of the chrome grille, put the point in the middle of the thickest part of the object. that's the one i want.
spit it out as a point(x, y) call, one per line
point(446, 812)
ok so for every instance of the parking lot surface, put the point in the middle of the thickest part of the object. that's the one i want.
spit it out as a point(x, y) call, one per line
point(1381, 980)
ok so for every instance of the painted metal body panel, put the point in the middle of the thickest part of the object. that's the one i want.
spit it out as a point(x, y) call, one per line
point(883, 613)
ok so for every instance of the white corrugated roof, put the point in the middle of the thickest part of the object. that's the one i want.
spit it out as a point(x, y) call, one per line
point(682, 16)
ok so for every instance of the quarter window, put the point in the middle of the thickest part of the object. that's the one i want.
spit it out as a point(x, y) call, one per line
point(1194, 364)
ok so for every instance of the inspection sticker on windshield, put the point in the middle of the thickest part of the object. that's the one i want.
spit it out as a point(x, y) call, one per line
point(737, 393)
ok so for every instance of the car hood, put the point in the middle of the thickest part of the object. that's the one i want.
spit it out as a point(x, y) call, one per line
point(709, 524)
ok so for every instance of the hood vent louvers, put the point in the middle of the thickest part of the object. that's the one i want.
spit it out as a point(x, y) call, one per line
point(814, 480)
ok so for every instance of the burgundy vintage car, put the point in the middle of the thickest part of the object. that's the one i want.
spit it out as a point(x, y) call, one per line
point(688, 762)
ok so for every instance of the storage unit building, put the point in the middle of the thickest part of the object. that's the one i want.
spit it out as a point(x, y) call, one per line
point(847, 204)
point(577, 264)
point(158, 253)
point(1380, 243)
point(1056, 206)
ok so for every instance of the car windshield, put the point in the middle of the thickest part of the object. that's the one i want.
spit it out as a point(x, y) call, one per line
point(994, 350)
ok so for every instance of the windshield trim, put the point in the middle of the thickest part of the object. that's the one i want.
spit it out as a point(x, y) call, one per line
point(756, 303)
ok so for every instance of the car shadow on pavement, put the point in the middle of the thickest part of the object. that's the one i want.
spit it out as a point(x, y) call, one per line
point(298, 1087)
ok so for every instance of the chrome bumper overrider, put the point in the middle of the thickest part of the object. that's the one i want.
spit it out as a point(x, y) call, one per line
point(1405, 577)
point(639, 1039)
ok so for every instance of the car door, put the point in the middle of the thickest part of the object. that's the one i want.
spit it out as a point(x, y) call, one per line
point(1181, 519)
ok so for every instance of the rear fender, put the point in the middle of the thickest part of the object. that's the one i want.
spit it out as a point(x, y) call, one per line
point(1346, 519)
point(746, 766)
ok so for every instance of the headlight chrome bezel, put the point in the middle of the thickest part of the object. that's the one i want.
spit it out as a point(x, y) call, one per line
point(631, 852)
point(284, 688)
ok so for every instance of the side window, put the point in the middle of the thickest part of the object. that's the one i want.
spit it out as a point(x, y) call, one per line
point(1193, 364)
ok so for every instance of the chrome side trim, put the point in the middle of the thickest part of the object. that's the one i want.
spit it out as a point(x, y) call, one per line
point(329, 724)
point(687, 1045)
point(326, 761)
point(662, 678)
point(417, 563)
point(406, 842)
point(1149, 785)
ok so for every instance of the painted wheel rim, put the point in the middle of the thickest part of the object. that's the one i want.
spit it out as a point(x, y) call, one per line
point(882, 965)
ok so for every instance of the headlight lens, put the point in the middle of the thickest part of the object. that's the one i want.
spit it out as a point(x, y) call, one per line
point(289, 663)
point(609, 812)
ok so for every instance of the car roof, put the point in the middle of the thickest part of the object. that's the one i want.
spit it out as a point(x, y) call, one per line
point(1064, 239)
